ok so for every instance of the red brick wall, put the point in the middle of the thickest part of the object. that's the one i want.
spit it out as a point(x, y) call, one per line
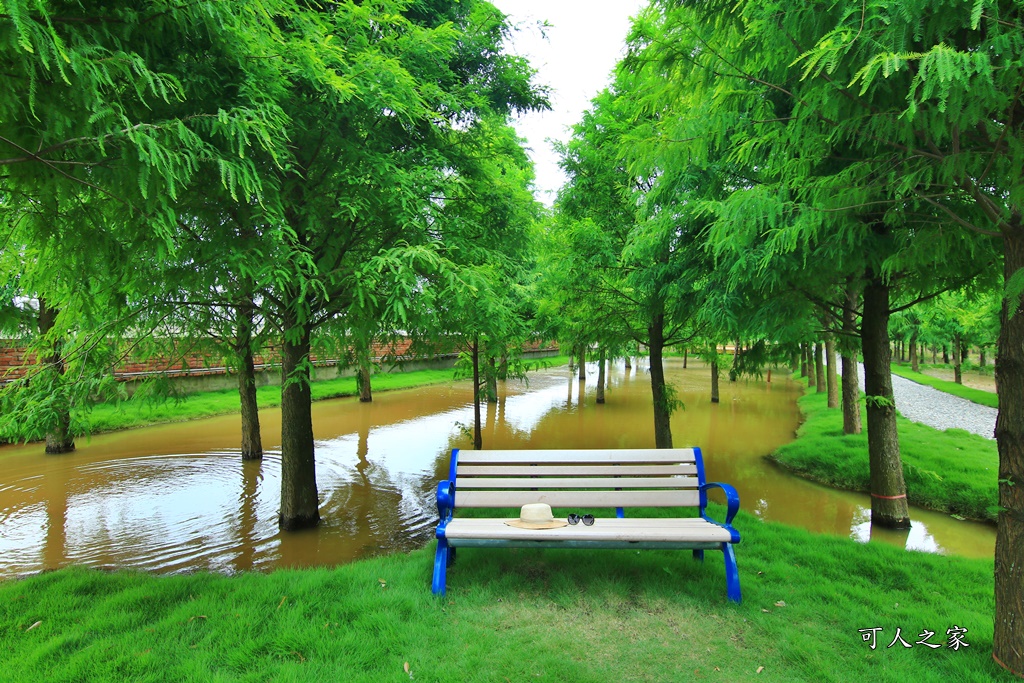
point(14, 361)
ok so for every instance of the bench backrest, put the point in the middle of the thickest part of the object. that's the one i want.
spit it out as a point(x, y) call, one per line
point(586, 479)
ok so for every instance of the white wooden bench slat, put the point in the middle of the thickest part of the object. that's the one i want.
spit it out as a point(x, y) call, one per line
point(574, 470)
point(637, 455)
point(604, 529)
point(581, 499)
point(577, 483)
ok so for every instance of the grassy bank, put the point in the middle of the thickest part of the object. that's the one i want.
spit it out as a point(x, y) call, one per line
point(952, 471)
point(525, 615)
point(985, 398)
point(139, 413)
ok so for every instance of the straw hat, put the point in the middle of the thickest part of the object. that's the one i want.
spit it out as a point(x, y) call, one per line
point(536, 516)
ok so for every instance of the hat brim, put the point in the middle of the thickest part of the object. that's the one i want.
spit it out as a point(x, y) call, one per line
point(553, 524)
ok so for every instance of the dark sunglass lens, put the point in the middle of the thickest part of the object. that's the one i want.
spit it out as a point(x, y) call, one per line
point(575, 519)
point(588, 520)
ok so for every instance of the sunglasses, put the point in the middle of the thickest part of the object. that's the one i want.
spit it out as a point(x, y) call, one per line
point(588, 520)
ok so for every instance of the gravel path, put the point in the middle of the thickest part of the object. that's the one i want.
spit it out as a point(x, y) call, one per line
point(938, 409)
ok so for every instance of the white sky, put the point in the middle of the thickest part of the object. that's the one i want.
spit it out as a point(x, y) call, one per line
point(585, 40)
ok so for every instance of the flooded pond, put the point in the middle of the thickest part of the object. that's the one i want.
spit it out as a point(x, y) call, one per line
point(178, 497)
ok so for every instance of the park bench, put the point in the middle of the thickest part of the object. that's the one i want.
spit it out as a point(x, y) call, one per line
point(583, 481)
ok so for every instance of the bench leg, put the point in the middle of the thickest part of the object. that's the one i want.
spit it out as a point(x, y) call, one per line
point(698, 555)
point(441, 561)
point(732, 574)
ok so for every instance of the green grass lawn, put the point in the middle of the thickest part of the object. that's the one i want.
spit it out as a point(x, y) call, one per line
point(952, 471)
point(985, 398)
point(517, 615)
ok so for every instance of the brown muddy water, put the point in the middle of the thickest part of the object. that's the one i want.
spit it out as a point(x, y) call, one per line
point(178, 497)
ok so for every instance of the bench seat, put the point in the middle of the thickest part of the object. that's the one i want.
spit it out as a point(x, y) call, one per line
point(631, 532)
point(584, 481)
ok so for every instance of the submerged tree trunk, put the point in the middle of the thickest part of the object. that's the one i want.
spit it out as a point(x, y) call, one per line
point(252, 442)
point(659, 392)
point(299, 498)
point(478, 442)
point(685, 353)
point(958, 376)
point(831, 377)
point(364, 370)
point(600, 375)
point(491, 380)
point(59, 438)
point(1008, 639)
point(583, 362)
point(714, 380)
point(819, 369)
point(888, 490)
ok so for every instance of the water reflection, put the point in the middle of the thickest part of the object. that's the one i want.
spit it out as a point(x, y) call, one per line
point(178, 497)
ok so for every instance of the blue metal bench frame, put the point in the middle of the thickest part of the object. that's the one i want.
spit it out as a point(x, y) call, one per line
point(446, 505)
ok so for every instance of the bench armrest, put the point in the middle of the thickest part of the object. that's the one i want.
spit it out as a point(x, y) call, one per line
point(731, 496)
point(445, 504)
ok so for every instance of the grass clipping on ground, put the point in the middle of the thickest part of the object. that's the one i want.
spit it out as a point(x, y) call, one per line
point(952, 471)
point(518, 615)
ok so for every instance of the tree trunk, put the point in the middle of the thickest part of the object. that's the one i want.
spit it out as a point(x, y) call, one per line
point(888, 490)
point(958, 376)
point(299, 498)
point(803, 360)
point(851, 394)
point(491, 380)
point(477, 436)
point(714, 380)
point(59, 438)
point(662, 409)
point(915, 364)
point(252, 442)
point(812, 378)
point(733, 374)
point(583, 362)
point(364, 369)
point(600, 376)
point(981, 357)
point(945, 354)
point(819, 369)
point(1008, 639)
point(684, 357)
point(851, 382)
point(629, 362)
point(831, 377)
